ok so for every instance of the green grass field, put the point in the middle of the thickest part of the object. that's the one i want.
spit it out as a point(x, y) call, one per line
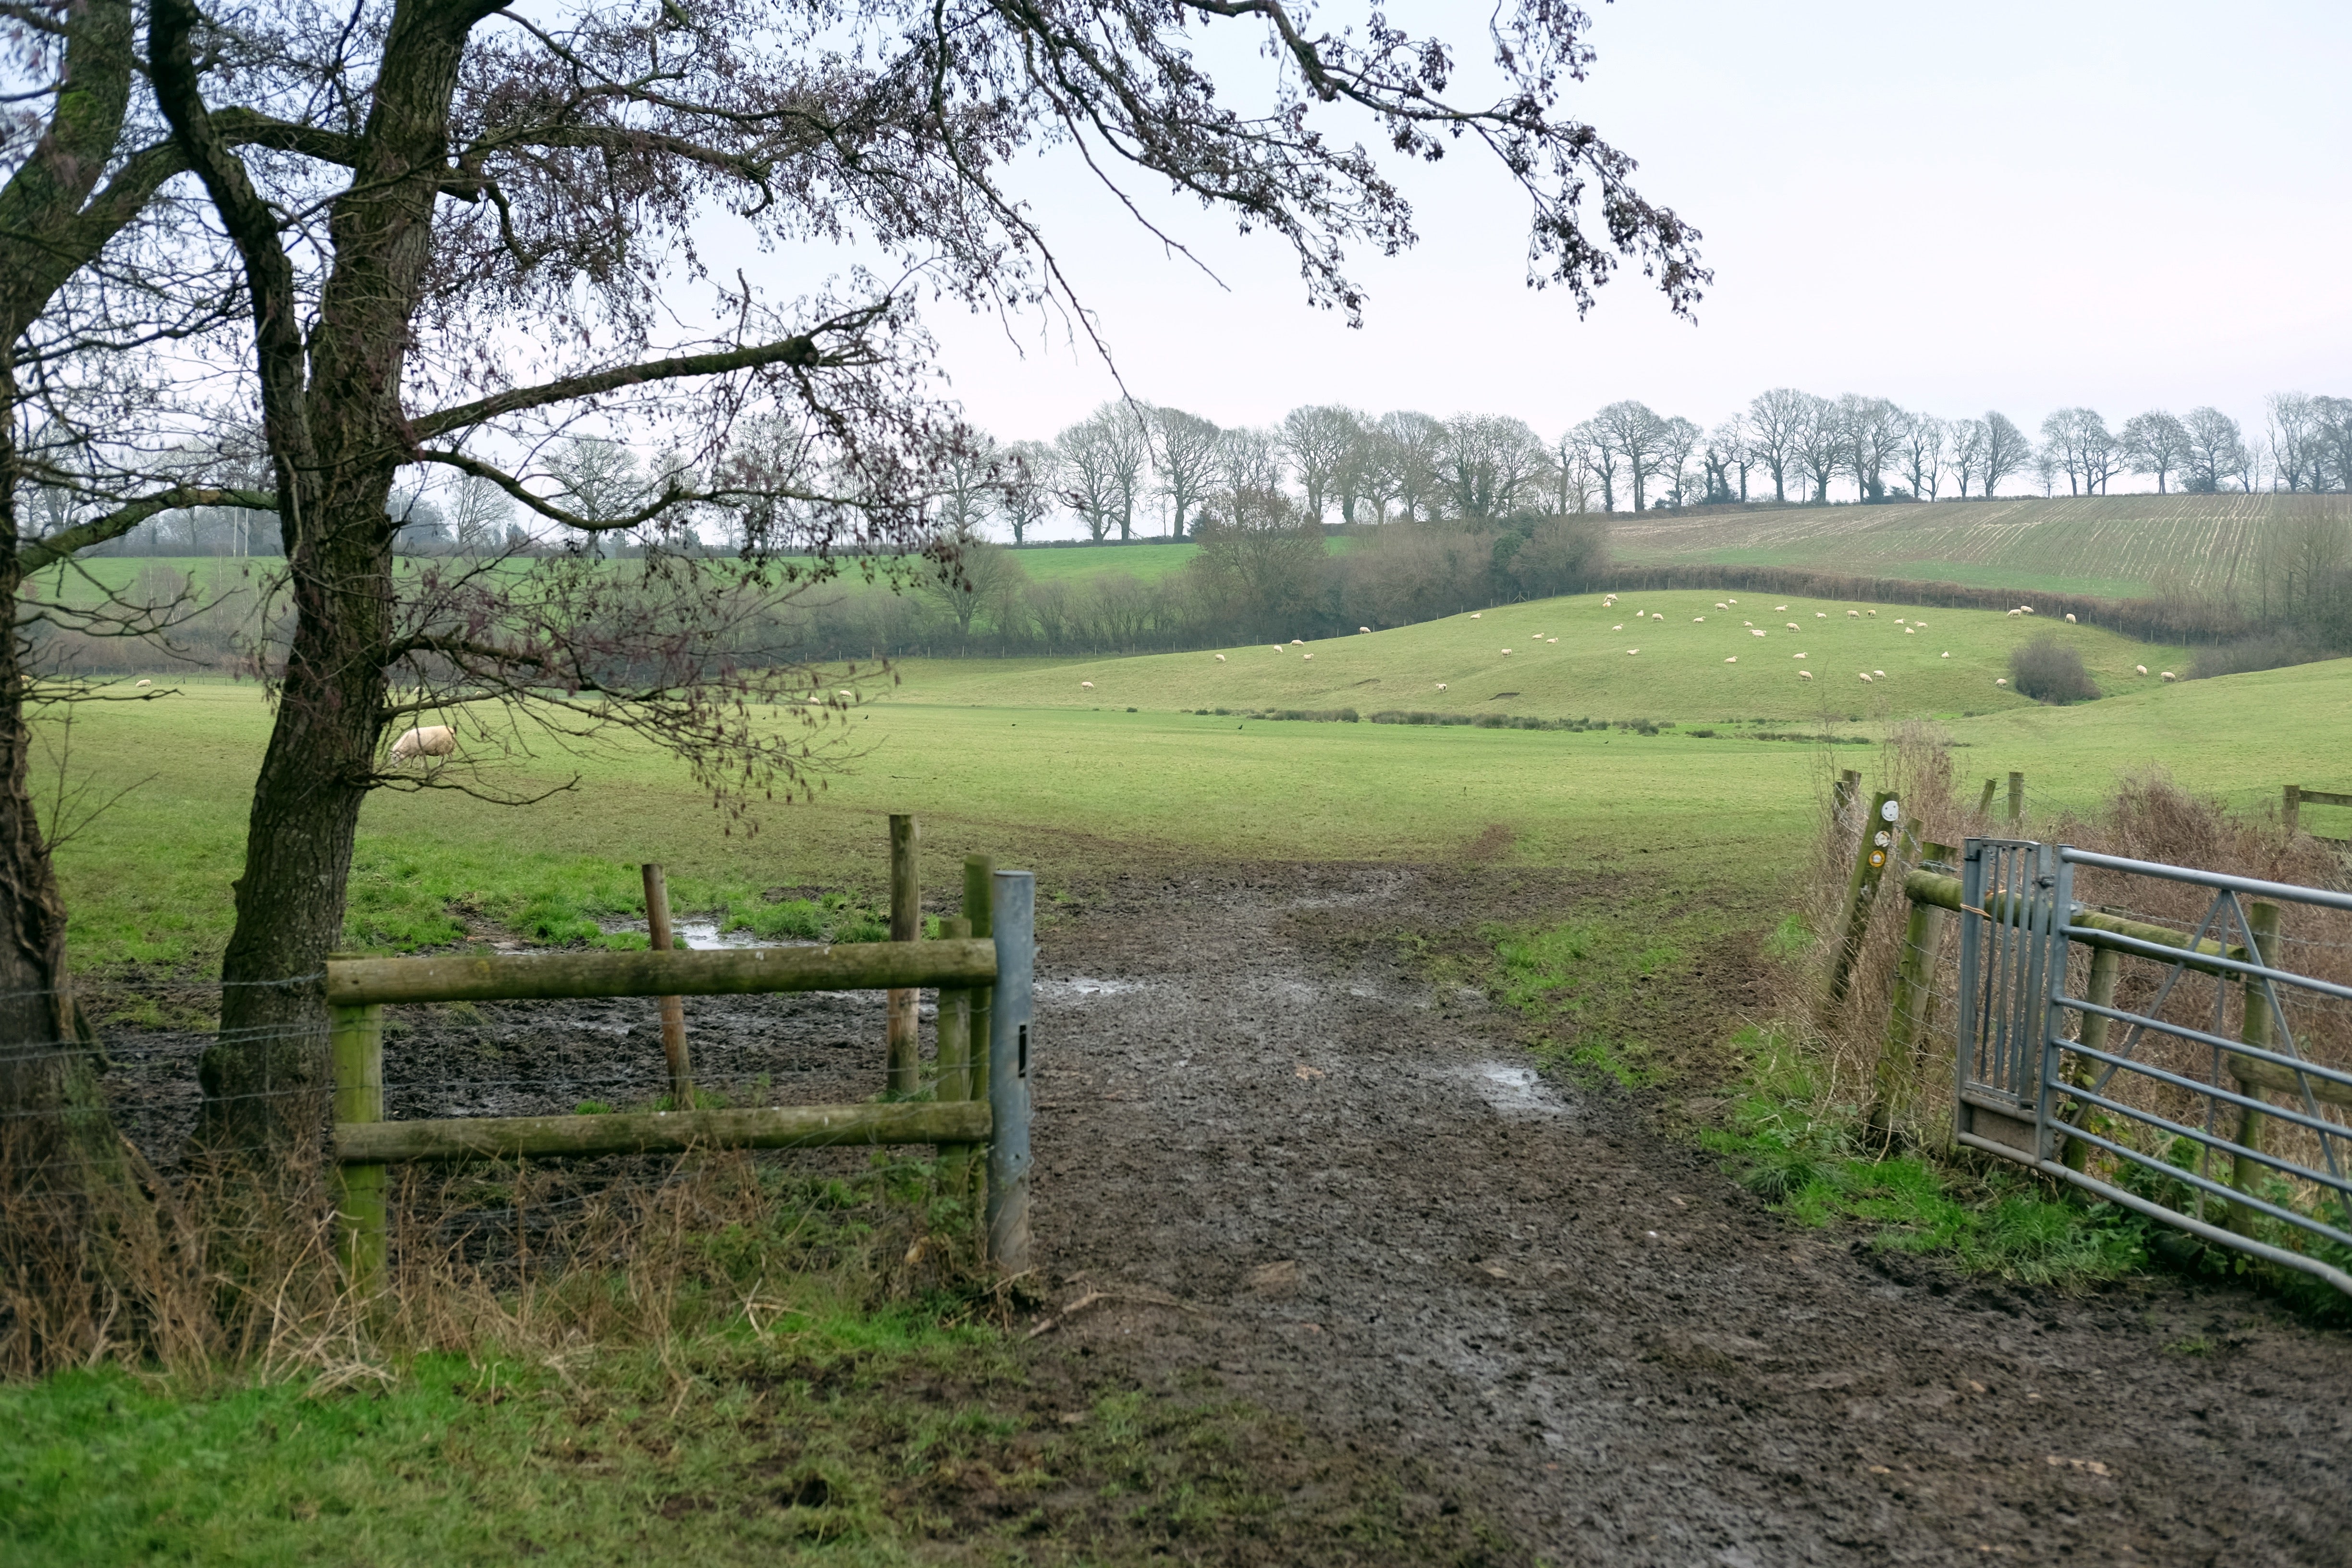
point(1017, 759)
point(1569, 658)
point(2110, 546)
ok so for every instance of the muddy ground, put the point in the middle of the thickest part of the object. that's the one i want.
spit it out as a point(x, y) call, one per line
point(1376, 1222)
point(1380, 1220)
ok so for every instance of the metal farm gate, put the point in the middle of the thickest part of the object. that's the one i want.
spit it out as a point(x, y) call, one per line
point(2197, 1104)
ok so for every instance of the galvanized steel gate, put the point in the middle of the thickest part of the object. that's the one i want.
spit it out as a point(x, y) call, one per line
point(2029, 1093)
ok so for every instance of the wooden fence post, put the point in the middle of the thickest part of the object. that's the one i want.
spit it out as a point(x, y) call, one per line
point(1984, 802)
point(951, 1064)
point(2016, 798)
point(1912, 1020)
point(1013, 904)
point(2106, 964)
point(357, 1042)
point(1862, 890)
point(978, 880)
point(902, 1048)
point(2290, 806)
point(673, 1008)
point(2261, 931)
point(1842, 793)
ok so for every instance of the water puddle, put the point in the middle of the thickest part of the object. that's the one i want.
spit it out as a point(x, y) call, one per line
point(1515, 1091)
point(1080, 988)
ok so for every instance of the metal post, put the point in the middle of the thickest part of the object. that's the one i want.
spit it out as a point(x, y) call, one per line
point(1013, 904)
point(673, 1008)
point(978, 872)
point(358, 1046)
point(2016, 798)
point(902, 1047)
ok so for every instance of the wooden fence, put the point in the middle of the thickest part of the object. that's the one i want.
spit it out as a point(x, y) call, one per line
point(982, 968)
point(2294, 797)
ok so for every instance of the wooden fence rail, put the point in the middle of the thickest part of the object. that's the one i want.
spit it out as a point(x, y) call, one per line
point(982, 969)
point(2294, 797)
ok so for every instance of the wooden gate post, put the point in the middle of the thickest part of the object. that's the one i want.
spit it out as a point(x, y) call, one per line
point(1912, 1018)
point(358, 1044)
point(2261, 930)
point(979, 873)
point(1862, 890)
point(951, 1065)
point(2290, 806)
point(1984, 802)
point(673, 1008)
point(1013, 904)
point(902, 1048)
point(1842, 795)
point(2106, 964)
point(2016, 798)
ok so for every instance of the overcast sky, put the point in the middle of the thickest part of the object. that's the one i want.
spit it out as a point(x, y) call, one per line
point(1998, 204)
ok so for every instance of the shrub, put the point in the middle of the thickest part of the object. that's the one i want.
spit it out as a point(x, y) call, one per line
point(2049, 670)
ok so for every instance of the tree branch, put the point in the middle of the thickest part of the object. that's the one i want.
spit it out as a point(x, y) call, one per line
point(36, 554)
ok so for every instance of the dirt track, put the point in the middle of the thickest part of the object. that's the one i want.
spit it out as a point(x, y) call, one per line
point(1387, 1227)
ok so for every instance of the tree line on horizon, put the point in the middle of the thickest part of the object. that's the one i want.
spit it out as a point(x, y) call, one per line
point(1135, 469)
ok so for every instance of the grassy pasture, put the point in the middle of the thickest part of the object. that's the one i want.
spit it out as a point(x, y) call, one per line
point(1568, 658)
point(2114, 546)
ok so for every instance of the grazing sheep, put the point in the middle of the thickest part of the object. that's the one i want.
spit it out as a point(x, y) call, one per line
point(1551, 642)
point(1747, 622)
point(1757, 632)
point(1721, 606)
point(1866, 678)
point(1695, 619)
point(2072, 621)
point(2000, 680)
point(1306, 656)
point(1944, 655)
point(845, 696)
point(1733, 660)
point(2141, 667)
point(2168, 676)
point(1880, 673)
point(1441, 686)
point(143, 684)
point(1617, 628)
point(1820, 614)
point(1221, 658)
point(1506, 650)
point(1278, 648)
point(2027, 608)
point(1898, 620)
point(1792, 626)
point(1854, 614)
point(1780, 606)
point(1910, 631)
point(1919, 622)
point(1299, 642)
point(1796, 656)
point(1085, 686)
point(2014, 614)
point(1804, 675)
point(1655, 616)
point(1474, 615)
point(1363, 628)
point(1633, 650)
point(433, 741)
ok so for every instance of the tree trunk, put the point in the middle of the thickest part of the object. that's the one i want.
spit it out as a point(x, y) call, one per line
point(267, 1077)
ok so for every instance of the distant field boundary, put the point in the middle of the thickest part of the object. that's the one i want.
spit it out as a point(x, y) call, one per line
point(2150, 620)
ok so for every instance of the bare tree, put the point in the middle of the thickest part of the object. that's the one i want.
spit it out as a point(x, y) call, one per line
point(2293, 433)
point(2006, 450)
point(2332, 433)
point(1678, 440)
point(2214, 452)
point(1249, 463)
point(968, 486)
point(1087, 462)
point(1822, 448)
point(1634, 434)
point(1969, 441)
point(2081, 447)
point(1028, 487)
point(1411, 444)
point(2155, 443)
point(1925, 442)
point(1489, 461)
point(1318, 441)
point(1580, 465)
point(1727, 450)
point(1184, 450)
point(1777, 421)
point(1870, 430)
point(973, 577)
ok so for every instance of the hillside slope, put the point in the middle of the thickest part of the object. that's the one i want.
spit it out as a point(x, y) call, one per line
point(2112, 546)
point(1569, 658)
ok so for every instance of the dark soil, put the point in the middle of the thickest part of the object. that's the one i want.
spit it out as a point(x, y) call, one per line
point(1253, 1101)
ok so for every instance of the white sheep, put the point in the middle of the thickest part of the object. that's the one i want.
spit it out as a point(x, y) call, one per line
point(1947, 654)
point(1735, 600)
point(1475, 615)
point(1655, 616)
point(2014, 614)
point(1617, 628)
point(1820, 614)
point(1441, 686)
point(1733, 660)
point(1880, 673)
point(1873, 614)
point(1854, 614)
point(2028, 609)
point(1721, 606)
point(1299, 642)
point(1363, 628)
point(1796, 656)
point(1804, 675)
point(1910, 631)
point(1792, 626)
point(1695, 619)
point(1551, 642)
point(2000, 680)
point(142, 684)
point(1221, 658)
point(1633, 650)
point(1506, 650)
point(1085, 686)
point(433, 741)
point(2072, 621)
point(1866, 678)
point(1278, 648)
point(2168, 676)
point(1757, 632)
point(1780, 606)
point(1306, 656)
point(1898, 620)
point(2141, 667)
point(846, 695)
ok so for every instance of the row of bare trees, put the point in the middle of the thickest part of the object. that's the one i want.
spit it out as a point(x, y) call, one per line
point(1134, 469)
